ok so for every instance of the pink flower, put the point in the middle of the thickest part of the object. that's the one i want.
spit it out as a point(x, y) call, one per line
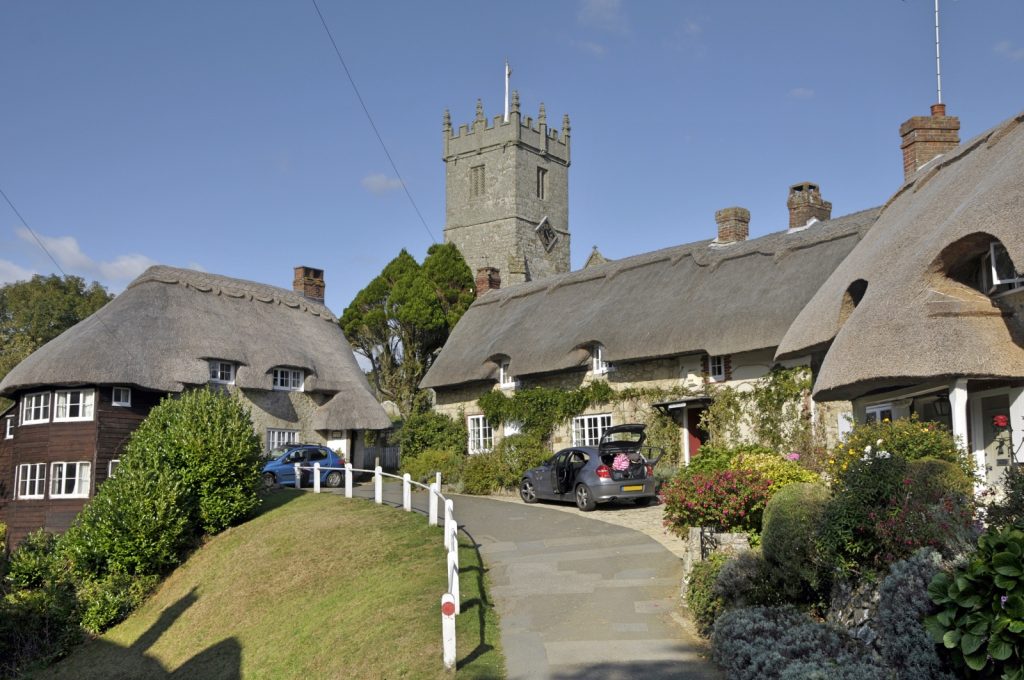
point(1000, 421)
point(793, 456)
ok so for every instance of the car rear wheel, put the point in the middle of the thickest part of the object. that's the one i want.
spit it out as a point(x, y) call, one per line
point(269, 480)
point(527, 491)
point(333, 479)
point(584, 499)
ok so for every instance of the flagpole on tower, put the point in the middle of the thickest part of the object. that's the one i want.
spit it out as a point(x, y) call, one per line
point(508, 74)
point(938, 63)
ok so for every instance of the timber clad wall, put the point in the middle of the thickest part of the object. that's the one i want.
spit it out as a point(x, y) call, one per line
point(116, 424)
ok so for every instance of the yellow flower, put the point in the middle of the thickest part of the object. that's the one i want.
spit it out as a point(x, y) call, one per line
point(845, 465)
point(831, 461)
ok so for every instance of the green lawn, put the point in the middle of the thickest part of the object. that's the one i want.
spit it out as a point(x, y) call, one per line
point(318, 586)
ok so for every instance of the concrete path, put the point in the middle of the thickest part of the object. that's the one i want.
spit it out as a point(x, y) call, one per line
point(578, 598)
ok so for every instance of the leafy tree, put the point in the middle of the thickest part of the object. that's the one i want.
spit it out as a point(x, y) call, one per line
point(36, 311)
point(402, 318)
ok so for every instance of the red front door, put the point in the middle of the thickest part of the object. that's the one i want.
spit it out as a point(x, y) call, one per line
point(695, 433)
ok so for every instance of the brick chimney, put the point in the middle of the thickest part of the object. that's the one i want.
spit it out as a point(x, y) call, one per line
point(309, 283)
point(925, 137)
point(805, 204)
point(733, 224)
point(487, 279)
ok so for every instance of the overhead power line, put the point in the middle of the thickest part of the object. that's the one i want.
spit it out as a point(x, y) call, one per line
point(373, 125)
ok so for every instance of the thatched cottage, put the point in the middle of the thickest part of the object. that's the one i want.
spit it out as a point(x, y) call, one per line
point(79, 397)
point(925, 315)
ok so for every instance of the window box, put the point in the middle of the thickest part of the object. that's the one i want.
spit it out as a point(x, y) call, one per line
point(69, 480)
point(30, 480)
point(73, 406)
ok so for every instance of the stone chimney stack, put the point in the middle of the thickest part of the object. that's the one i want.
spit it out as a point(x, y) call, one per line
point(925, 137)
point(805, 204)
point(733, 224)
point(487, 279)
point(309, 283)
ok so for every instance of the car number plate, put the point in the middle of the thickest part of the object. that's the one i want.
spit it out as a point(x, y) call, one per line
point(633, 487)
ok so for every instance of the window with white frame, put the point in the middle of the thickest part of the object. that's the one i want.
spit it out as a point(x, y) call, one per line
point(30, 481)
point(222, 372)
point(277, 438)
point(505, 379)
point(35, 408)
point(112, 467)
point(121, 396)
point(878, 413)
point(587, 430)
point(481, 436)
point(597, 363)
point(9, 427)
point(998, 274)
point(69, 480)
point(73, 405)
point(290, 379)
point(716, 367)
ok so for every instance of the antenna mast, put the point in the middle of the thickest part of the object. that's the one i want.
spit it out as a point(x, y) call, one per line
point(938, 62)
point(508, 74)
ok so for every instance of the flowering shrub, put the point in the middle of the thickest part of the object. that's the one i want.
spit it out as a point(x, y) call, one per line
point(906, 437)
point(726, 499)
point(781, 470)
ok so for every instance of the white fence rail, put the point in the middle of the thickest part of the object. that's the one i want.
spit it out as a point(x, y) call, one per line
point(451, 604)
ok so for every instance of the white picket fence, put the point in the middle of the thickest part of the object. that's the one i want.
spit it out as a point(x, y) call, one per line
point(450, 601)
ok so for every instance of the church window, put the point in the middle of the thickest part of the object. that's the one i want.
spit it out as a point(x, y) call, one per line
point(542, 179)
point(476, 181)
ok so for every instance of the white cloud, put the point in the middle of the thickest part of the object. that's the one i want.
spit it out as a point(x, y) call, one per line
point(68, 254)
point(692, 28)
point(1007, 49)
point(801, 93)
point(603, 14)
point(592, 48)
point(10, 272)
point(380, 184)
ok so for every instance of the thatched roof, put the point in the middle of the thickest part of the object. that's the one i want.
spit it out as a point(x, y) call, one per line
point(699, 297)
point(161, 331)
point(915, 322)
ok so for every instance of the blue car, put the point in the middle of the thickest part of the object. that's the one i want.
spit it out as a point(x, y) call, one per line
point(281, 470)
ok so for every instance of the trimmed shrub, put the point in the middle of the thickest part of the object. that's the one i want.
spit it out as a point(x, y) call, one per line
point(938, 478)
point(503, 467)
point(109, 600)
point(792, 519)
point(777, 469)
point(704, 604)
point(481, 474)
point(747, 580)
point(430, 431)
point(781, 642)
point(908, 438)
point(903, 642)
point(33, 564)
point(446, 461)
point(725, 499)
point(981, 608)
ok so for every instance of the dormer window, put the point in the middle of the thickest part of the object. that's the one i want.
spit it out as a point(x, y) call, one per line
point(598, 365)
point(997, 273)
point(505, 379)
point(288, 379)
point(716, 368)
point(222, 372)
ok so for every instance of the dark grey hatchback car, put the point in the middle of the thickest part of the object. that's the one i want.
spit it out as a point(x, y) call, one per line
point(614, 470)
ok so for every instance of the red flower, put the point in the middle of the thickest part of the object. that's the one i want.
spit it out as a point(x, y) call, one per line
point(1000, 421)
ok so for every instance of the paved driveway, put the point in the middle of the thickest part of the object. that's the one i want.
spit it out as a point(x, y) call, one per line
point(577, 597)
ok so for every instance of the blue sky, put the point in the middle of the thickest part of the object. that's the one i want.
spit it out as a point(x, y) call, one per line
point(225, 135)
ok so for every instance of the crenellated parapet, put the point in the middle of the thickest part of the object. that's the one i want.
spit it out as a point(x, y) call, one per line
point(524, 131)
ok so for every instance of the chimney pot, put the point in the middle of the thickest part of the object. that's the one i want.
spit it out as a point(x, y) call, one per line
point(733, 224)
point(805, 204)
point(309, 283)
point(487, 279)
point(925, 137)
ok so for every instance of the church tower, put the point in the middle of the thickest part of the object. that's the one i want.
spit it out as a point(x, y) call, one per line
point(507, 194)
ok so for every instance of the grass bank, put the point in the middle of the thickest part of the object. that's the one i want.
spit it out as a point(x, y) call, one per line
point(317, 586)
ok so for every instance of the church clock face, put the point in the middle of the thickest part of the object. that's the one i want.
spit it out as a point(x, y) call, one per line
point(547, 235)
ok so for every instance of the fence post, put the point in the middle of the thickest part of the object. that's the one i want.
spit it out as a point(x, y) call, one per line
point(407, 492)
point(298, 477)
point(453, 578)
point(448, 630)
point(378, 485)
point(432, 516)
point(451, 530)
point(438, 480)
point(316, 477)
point(348, 480)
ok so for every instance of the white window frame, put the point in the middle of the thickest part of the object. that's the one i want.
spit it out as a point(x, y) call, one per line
point(587, 430)
point(277, 436)
point(80, 479)
point(218, 369)
point(505, 379)
point(28, 403)
point(289, 379)
point(876, 410)
point(481, 434)
point(718, 374)
point(35, 485)
point(9, 427)
point(63, 406)
point(598, 366)
point(112, 467)
point(125, 394)
point(1013, 281)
